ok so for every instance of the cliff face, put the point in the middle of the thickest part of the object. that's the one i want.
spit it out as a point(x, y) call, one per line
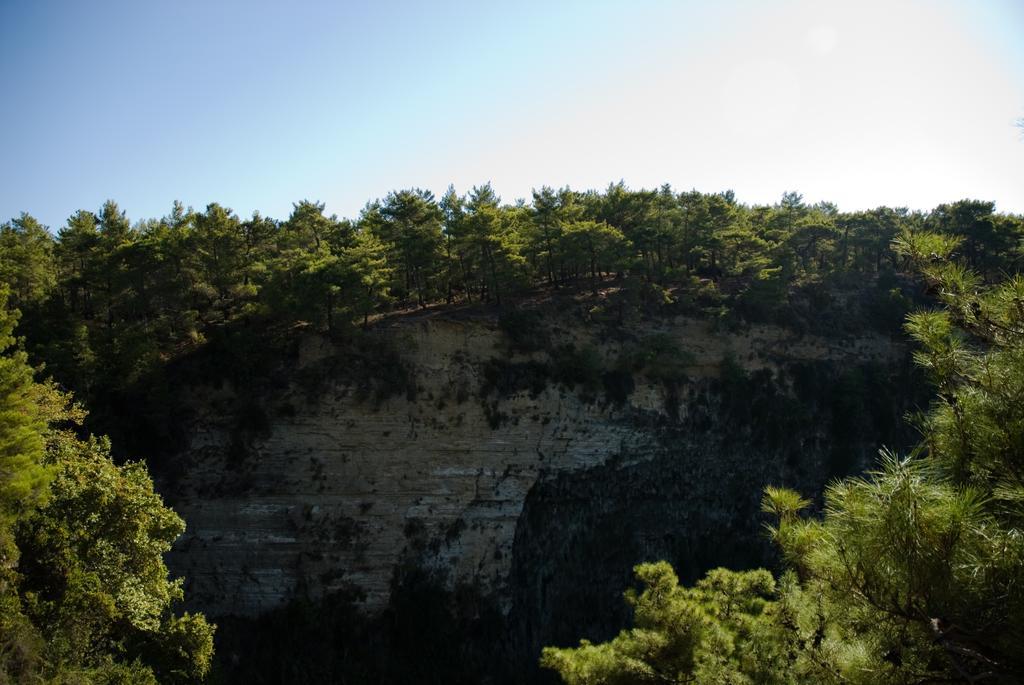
point(538, 496)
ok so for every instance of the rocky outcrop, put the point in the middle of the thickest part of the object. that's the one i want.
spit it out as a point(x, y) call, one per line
point(531, 498)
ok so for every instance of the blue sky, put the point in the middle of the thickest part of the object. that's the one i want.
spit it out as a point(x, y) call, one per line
point(260, 104)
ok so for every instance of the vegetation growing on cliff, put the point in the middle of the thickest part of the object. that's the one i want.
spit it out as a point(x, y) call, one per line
point(107, 304)
point(915, 571)
point(84, 593)
point(110, 307)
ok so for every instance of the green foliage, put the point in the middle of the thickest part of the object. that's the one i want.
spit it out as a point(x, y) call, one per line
point(23, 482)
point(94, 582)
point(782, 503)
point(23, 477)
point(919, 572)
point(879, 597)
point(108, 307)
point(915, 572)
point(84, 594)
point(26, 261)
point(106, 303)
point(409, 223)
point(719, 631)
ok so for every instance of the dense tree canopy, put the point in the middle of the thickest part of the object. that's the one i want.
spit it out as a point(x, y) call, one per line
point(103, 300)
point(84, 593)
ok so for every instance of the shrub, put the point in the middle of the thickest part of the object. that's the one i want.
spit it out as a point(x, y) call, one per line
point(525, 329)
point(578, 367)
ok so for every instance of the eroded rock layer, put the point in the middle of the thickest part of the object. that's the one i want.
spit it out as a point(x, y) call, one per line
point(530, 492)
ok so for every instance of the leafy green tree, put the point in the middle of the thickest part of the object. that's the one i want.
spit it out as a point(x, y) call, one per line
point(867, 236)
point(744, 253)
point(22, 474)
point(598, 247)
point(721, 214)
point(77, 255)
point(547, 221)
point(310, 229)
point(490, 242)
point(258, 236)
point(410, 225)
point(218, 245)
point(84, 594)
point(984, 240)
point(114, 242)
point(23, 483)
point(94, 583)
point(451, 206)
point(29, 271)
point(166, 268)
point(631, 213)
point(368, 268)
point(915, 572)
point(26, 261)
point(725, 629)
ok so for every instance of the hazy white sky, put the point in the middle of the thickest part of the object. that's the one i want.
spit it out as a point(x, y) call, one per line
point(257, 105)
point(861, 104)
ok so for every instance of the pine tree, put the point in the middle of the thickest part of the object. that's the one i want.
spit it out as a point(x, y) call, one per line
point(22, 474)
point(915, 573)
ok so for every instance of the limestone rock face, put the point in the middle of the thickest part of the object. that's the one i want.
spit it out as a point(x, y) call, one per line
point(335, 489)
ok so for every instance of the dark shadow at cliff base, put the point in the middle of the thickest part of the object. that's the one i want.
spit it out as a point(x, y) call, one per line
point(428, 634)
